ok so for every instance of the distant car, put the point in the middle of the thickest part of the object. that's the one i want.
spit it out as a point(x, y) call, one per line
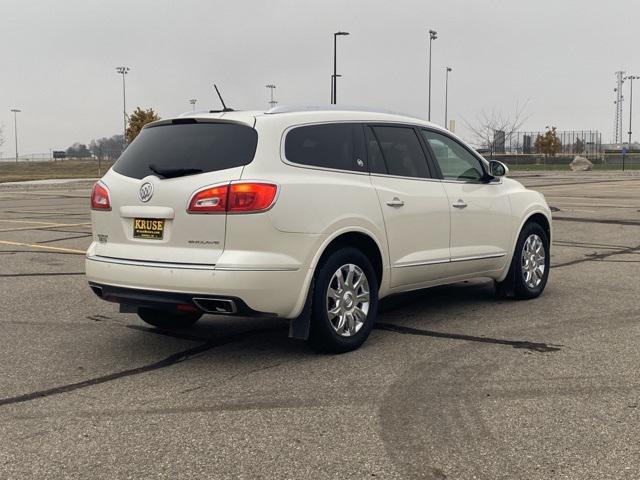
point(311, 215)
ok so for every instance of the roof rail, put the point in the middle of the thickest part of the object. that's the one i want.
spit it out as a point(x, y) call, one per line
point(333, 108)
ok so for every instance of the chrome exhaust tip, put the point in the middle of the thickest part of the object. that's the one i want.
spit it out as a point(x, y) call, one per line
point(97, 290)
point(220, 306)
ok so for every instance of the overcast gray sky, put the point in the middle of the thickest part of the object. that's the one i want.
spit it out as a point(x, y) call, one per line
point(59, 57)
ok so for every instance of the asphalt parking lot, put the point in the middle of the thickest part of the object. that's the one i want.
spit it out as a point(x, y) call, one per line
point(453, 383)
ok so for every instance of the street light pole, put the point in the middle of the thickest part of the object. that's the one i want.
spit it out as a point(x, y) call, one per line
point(271, 87)
point(432, 36)
point(631, 78)
point(334, 78)
point(123, 71)
point(193, 103)
point(446, 96)
point(15, 128)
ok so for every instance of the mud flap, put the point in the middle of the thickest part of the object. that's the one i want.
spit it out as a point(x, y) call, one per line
point(506, 288)
point(299, 327)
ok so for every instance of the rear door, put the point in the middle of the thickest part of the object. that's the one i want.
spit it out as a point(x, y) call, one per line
point(152, 182)
point(414, 205)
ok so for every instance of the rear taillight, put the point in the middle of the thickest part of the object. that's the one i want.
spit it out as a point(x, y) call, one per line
point(100, 199)
point(209, 200)
point(251, 197)
point(246, 197)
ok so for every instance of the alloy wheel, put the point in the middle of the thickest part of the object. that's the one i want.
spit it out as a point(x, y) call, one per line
point(348, 300)
point(533, 261)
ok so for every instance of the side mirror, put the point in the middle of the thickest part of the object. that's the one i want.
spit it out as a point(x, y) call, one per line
point(498, 169)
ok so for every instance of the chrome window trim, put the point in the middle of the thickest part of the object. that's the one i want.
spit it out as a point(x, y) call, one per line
point(286, 161)
point(492, 182)
point(400, 177)
point(392, 123)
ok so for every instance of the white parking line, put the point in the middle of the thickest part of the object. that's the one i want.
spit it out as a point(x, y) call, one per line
point(43, 247)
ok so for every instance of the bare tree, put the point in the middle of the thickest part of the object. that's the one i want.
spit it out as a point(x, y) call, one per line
point(1, 134)
point(493, 129)
point(108, 148)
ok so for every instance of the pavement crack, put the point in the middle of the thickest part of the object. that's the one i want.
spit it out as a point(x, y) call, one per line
point(164, 363)
point(84, 235)
point(523, 344)
point(598, 256)
point(607, 221)
point(578, 182)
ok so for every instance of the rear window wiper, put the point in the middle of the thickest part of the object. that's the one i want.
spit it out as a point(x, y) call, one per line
point(174, 172)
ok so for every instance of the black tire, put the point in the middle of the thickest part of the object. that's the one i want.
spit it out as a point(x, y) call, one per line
point(167, 319)
point(323, 336)
point(514, 284)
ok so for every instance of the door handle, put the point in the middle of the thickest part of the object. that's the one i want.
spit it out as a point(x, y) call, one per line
point(460, 204)
point(396, 202)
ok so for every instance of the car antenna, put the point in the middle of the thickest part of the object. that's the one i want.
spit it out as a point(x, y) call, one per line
point(224, 107)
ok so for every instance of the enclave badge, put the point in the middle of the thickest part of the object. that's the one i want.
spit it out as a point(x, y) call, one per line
point(146, 192)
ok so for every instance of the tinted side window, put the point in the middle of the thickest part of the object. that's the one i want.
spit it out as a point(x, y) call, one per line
point(374, 153)
point(402, 152)
point(455, 161)
point(333, 145)
point(200, 146)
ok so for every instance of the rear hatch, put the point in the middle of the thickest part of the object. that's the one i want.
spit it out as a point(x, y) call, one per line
point(151, 184)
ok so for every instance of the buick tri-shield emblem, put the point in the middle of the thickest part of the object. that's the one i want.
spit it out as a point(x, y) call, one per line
point(146, 192)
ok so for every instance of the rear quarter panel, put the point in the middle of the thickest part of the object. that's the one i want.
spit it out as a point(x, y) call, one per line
point(314, 206)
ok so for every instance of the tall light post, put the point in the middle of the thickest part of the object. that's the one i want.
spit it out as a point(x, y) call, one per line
point(193, 103)
point(15, 128)
point(334, 78)
point(123, 71)
point(271, 87)
point(446, 95)
point(631, 78)
point(432, 36)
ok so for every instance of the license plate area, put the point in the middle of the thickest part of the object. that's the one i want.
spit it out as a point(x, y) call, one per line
point(148, 228)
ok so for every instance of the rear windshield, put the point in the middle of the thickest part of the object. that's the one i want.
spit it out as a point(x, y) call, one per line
point(192, 147)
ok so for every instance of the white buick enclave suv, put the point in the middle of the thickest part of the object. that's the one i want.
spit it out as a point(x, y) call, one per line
point(309, 214)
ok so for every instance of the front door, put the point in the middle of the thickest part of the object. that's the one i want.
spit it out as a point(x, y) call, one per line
point(481, 221)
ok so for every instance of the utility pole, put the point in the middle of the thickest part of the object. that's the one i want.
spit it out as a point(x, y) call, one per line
point(334, 83)
point(15, 128)
point(123, 71)
point(446, 96)
point(271, 87)
point(193, 103)
point(432, 36)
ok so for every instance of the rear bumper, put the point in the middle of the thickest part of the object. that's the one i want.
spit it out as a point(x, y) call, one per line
point(184, 302)
point(275, 293)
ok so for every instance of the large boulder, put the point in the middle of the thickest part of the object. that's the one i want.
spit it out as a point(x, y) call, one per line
point(581, 164)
